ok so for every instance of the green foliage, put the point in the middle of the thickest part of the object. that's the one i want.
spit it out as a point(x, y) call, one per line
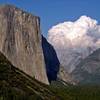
point(82, 92)
point(16, 85)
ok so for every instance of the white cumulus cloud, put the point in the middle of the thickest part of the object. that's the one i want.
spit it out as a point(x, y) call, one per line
point(75, 40)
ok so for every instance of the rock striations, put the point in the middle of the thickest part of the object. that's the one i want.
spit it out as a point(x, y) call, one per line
point(20, 41)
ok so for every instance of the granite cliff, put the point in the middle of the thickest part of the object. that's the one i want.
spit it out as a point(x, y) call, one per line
point(20, 41)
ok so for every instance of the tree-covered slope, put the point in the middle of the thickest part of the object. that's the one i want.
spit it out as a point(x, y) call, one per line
point(16, 85)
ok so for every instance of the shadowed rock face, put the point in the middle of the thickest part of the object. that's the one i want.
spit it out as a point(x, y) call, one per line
point(51, 60)
point(20, 41)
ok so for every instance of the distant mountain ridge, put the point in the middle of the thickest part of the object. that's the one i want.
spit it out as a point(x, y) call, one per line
point(88, 70)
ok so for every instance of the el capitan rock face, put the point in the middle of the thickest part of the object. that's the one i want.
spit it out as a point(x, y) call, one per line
point(20, 41)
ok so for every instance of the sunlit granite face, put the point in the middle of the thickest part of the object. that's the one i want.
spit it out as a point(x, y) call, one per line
point(20, 41)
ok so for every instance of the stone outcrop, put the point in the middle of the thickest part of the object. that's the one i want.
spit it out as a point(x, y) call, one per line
point(20, 41)
point(65, 77)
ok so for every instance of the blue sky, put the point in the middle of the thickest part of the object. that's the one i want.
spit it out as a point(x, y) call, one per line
point(53, 12)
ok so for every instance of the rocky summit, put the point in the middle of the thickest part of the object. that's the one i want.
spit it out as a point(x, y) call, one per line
point(20, 41)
